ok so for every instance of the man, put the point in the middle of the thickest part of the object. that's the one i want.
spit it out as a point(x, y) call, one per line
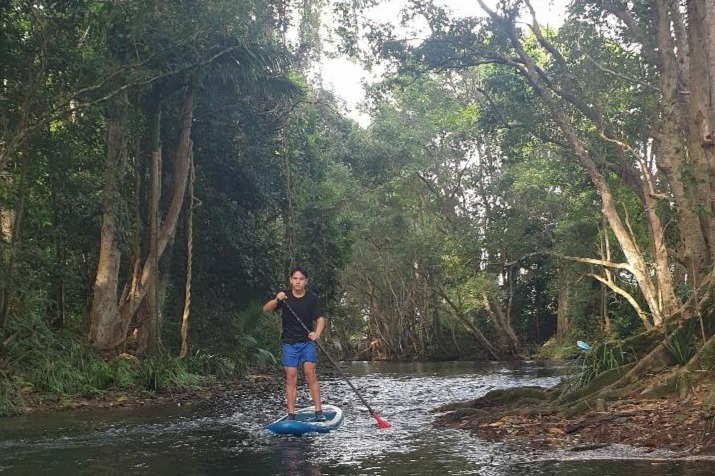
point(298, 341)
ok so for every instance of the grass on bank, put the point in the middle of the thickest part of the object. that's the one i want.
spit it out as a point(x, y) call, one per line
point(42, 363)
point(77, 371)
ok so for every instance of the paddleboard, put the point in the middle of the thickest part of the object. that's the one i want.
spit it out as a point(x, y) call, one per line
point(305, 422)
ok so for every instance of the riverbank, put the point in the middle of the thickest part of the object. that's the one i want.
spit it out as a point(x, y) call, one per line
point(34, 402)
point(681, 425)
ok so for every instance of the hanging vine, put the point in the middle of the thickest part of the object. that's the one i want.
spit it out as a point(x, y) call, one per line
point(183, 338)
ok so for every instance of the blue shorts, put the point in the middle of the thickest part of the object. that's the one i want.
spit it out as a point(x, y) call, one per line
point(296, 354)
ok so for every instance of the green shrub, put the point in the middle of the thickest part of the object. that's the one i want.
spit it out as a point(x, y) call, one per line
point(164, 372)
point(251, 328)
point(57, 363)
point(10, 396)
point(681, 342)
point(206, 364)
point(554, 349)
point(74, 370)
point(124, 371)
point(594, 362)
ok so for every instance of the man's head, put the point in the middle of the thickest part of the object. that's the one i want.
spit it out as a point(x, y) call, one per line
point(298, 279)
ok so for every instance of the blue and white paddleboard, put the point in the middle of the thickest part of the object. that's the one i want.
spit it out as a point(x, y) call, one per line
point(305, 422)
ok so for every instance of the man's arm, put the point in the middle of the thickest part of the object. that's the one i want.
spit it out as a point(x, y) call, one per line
point(319, 326)
point(273, 303)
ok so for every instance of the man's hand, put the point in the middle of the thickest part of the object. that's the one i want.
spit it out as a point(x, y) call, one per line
point(273, 304)
point(314, 336)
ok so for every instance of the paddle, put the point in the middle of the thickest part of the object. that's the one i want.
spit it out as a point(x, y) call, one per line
point(380, 422)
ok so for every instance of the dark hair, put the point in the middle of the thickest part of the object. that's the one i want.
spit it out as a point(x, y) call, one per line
point(298, 269)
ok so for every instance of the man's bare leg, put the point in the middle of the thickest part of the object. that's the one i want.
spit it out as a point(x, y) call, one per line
point(291, 387)
point(313, 386)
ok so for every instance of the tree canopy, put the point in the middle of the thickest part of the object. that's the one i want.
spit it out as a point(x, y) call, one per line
point(164, 164)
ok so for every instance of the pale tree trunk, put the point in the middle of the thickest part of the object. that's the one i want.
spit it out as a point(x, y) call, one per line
point(606, 254)
point(638, 265)
point(105, 330)
point(563, 323)
point(700, 126)
point(189, 230)
point(145, 334)
point(671, 157)
point(111, 316)
point(708, 141)
point(635, 259)
point(502, 324)
point(667, 301)
point(458, 314)
point(656, 288)
point(380, 344)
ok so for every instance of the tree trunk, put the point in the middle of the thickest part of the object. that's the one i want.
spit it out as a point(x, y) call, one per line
point(658, 294)
point(503, 324)
point(137, 293)
point(105, 330)
point(670, 154)
point(700, 125)
point(563, 323)
point(469, 326)
point(8, 285)
point(153, 320)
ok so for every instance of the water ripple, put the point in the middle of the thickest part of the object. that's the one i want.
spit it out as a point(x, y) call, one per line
point(228, 437)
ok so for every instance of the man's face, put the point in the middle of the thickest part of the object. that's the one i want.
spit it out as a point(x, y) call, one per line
point(298, 281)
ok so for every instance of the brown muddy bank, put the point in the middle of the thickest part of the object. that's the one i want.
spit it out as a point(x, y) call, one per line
point(683, 425)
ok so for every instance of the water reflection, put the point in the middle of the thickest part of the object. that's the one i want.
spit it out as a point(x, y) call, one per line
point(295, 458)
point(615, 468)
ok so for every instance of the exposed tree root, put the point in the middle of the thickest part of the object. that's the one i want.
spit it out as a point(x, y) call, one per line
point(628, 397)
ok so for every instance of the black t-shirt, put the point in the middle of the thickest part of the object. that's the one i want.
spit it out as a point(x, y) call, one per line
point(307, 309)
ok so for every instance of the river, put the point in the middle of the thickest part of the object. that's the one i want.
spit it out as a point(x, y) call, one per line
point(227, 437)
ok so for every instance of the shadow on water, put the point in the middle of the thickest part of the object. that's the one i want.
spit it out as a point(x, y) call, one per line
point(228, 437)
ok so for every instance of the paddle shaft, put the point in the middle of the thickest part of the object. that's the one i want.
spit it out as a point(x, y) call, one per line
point(335, 364)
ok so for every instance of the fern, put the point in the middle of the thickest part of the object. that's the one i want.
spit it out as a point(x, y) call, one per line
point(249, 325)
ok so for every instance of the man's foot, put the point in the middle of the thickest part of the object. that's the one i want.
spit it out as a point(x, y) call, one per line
point(319, 416)
point(291, 416)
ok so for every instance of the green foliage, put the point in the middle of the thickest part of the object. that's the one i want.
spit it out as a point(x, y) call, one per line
point(58, 365)
point(249, 324)
point(681, 343)
point(600, 358)
point(78, 370)
point(10, 396)
point(203, 363)
point(122, 372)
point(73, 370)
point(464, 185)
point(563, 349)
point(164, 372)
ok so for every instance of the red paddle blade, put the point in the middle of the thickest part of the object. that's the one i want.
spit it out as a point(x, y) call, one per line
point(380, 422)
